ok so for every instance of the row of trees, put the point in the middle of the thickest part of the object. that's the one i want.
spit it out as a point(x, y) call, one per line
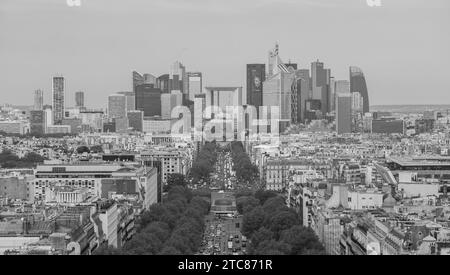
point(273, 228)
point(174, 180)
point(174, 227)
point(93, 149)
point(204, 163)
point(10, 160)
point(246, 172)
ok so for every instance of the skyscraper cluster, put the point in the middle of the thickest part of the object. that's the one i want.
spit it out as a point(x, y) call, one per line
point(155, 97)
point(150, 102)
point(56, 117)
point(304, 95)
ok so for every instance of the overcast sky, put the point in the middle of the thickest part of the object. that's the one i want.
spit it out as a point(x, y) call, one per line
point(403, 46)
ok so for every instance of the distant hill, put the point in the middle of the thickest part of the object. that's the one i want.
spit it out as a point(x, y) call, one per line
point(409, 108)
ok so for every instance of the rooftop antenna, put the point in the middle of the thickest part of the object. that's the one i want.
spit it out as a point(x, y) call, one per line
point(180, 54)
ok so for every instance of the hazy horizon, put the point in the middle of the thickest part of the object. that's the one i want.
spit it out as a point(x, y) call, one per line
point(402, 46)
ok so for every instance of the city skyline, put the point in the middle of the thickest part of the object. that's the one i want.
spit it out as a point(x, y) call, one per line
point(102, 67)
point(218, 128)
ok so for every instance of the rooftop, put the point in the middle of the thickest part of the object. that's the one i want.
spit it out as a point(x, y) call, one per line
point(423, 161)
point(94, 167)
point(222, 88)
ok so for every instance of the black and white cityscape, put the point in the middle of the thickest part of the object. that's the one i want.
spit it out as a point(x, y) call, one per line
point(231, 128)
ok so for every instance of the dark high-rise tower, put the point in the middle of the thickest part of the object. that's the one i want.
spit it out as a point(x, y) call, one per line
point(58, 99)
point(358, 85)
point(320, 84)
point(163, 82)
point(305, 91)
point(148, 99)
point(79, 99)
point(344, 113)
point(178, 79)
point(256, 75)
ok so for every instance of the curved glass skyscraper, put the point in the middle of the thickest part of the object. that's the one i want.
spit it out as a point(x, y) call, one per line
point(138, 79)
point(358, 85)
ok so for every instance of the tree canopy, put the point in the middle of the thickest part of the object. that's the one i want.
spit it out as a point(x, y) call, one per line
point(174, 227)
point(96, 149)
point(245, 171)
point(263, 195)
point(246, 204)
point(302, 240)
point(83, 149)
point(274, 228)
point(175, 179)
point(204, 163)
point(11, 160)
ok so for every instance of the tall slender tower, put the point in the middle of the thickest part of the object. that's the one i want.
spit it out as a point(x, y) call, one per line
point(344, 113)
point(194, 84)
point(38, 100)
point(256, 75)
point(332, 94)
point(305, 93)
point(320, 84)
point(178, 79)
point(274, 60)
point(358, 85)
point(275, 64)
point(58, 99)
point(79, 99)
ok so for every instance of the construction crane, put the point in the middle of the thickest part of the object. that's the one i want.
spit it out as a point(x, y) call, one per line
point(180, 54)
